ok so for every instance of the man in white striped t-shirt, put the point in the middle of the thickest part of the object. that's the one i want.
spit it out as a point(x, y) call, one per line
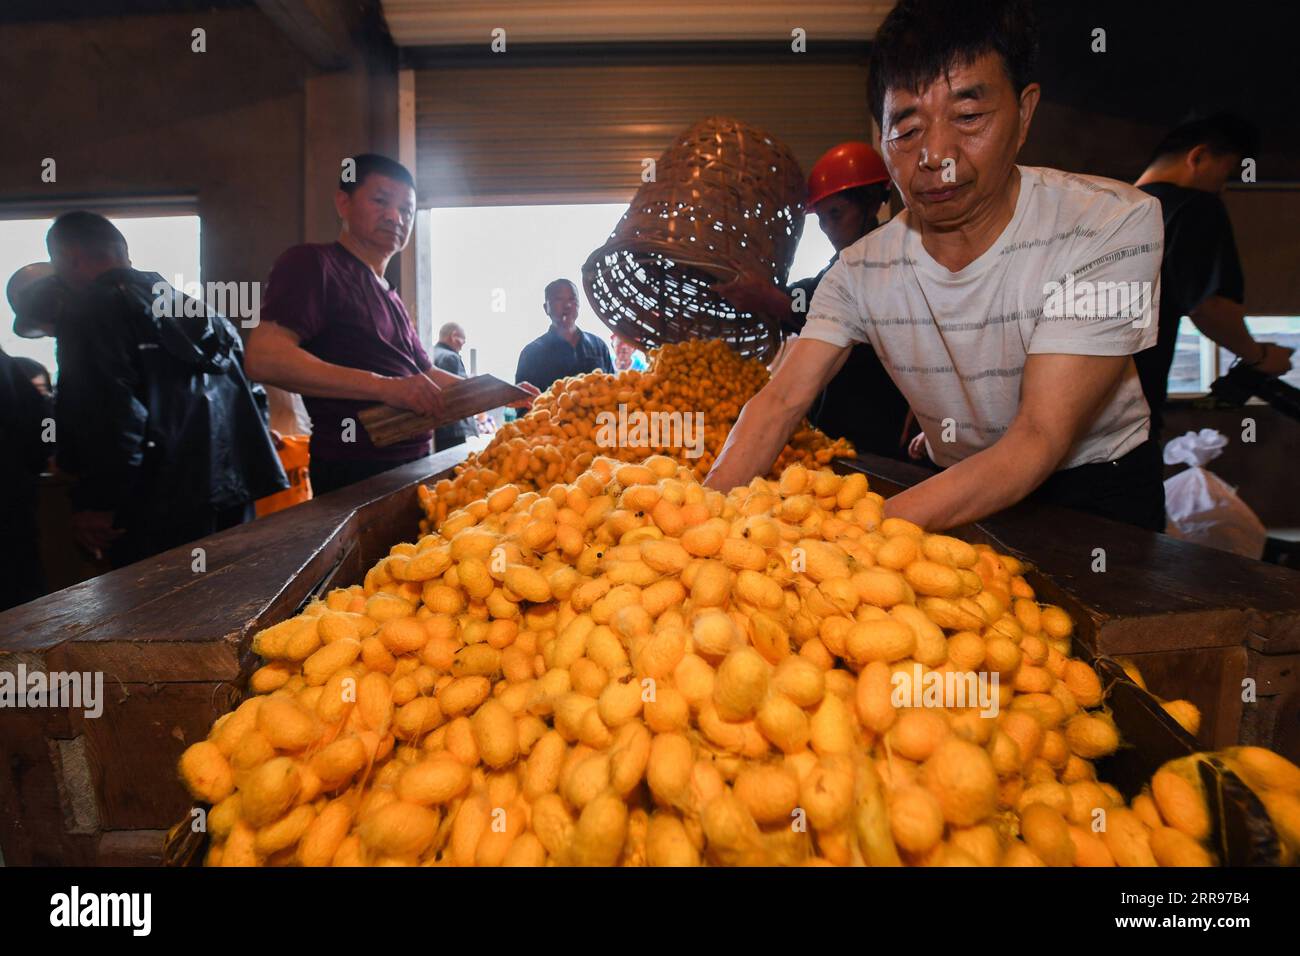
point(1006, 301)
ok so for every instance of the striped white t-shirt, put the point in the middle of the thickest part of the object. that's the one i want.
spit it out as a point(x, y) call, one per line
point(1076, 271)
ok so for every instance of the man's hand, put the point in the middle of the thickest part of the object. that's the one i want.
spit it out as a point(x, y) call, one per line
point(94, 531)
point(417, 393)
point(1060, 398)
point(916, 447)
point(751, 292)
point(532, 390)
point(1276, 359)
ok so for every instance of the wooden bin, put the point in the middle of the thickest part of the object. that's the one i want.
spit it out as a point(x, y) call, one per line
point(173, 646)
point(727, 199)
point(1198, 622)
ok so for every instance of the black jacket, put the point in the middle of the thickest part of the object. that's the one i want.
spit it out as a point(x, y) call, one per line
point(23, 454)
point(156, 419)
point(449, 360)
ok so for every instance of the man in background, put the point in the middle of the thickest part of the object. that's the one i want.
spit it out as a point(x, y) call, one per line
point(446, 356)
point(1200, 276)
point(563, 349)
point(166, 438)
point(627, 357)
point(21, 426)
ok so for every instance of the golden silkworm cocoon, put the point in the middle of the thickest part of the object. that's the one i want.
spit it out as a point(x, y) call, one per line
point(667, 843)
point(1172, 847)
point(881, 640)
point(1127, 838)
point(961, 777)
point(1047, 834)
point(1262, 769)
point(463, 695)
point(206, 772)
point(1090, 849)
point(768, 791)
point(741, 684)
point(831, 729)
point(1181, 803)
point(629, 757)
point(599, 833)
point(1187, 714)
point(1091, 736)
point(433, 781)
point(325, 834)
point(399, 829)
point(269, 791)
point(669, 766)
point(340, 760)
point(948, 550)
point(915, 819)
point(928, 577)
point(918, 732)
point(784, 723)
point(320, 666)
point(285, 832)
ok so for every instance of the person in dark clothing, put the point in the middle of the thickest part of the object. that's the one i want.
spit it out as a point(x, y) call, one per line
point(446, 356)
point(563, 349)
point(166, 438)
point(334, 331)
point(1200, 276)
point(22, 416)
point(846, 189)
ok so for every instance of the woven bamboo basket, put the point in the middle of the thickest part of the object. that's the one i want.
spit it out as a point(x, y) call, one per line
point(727, 199)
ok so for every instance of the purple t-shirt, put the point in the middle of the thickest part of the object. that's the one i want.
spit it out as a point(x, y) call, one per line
point(344, 315)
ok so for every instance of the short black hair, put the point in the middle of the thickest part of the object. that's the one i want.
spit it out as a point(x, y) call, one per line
point(1221, 133)
point(555, 284)
point(373, 163)
point(88, 230)
point(922, 40)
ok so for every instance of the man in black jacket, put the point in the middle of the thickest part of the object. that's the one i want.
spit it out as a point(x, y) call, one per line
point(22, 417)
point(156, 420)
point(1200, 276)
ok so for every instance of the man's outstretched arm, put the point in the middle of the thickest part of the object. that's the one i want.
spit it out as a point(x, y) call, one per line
point(770, 417)
point(1060, 396)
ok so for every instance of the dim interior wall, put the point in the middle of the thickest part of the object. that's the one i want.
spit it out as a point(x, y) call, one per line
point(1265, 221)
point(249, 127)
point(126, 108)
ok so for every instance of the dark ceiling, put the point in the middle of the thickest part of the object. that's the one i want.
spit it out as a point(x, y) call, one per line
point(1165, 59)
point(31, 11)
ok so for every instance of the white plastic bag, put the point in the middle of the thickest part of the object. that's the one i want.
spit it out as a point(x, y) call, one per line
point(1201, 506)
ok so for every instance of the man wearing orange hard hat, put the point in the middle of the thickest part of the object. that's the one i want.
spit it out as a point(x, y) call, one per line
point(846, 189)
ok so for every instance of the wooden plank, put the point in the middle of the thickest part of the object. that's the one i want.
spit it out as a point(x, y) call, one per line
point(130, 848)
point(387, 425)
point(140, 738)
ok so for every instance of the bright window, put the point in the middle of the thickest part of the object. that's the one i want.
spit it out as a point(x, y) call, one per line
point(491, 263)
point(165, 244)
point(1198, 362)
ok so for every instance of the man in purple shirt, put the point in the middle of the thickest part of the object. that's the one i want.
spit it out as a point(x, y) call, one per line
point(337, 333)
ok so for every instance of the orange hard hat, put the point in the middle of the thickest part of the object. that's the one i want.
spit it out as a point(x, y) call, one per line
point(842, 167)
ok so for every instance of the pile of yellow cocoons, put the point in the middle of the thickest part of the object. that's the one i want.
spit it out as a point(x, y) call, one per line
point(633, 670)
point(567, 427)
